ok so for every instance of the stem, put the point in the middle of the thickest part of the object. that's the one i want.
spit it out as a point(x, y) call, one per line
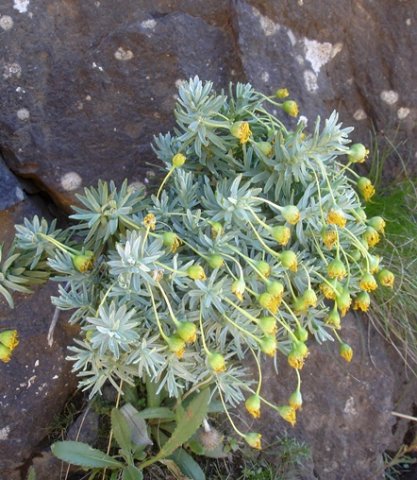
point(164, 181)
point(228, 415)
point(268, 249)
point(152, 397)
point(156, 314)
point(111, 430)
point(203, 338)
point(58, 244)
point(174, 319)
point(241, 329)
point(259, 371)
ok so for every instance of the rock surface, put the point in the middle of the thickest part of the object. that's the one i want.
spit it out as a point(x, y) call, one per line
point(346, 417)
point(85, 85)
point(36, 383)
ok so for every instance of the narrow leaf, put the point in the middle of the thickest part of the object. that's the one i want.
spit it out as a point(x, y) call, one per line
point(162, 413)
point(188, 466)
point(81, 454)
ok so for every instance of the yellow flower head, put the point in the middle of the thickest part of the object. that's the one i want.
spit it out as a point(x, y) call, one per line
point(171, 241)
point(9, 339)
point(357, 153)
point(362, 302)
point(216, 362)
point(281, 234)
point(289, 260)
point(291, 108)
point(298, 354)
point(196, 272)
point(333, 319)
point(289, 414)
point(374, 261)
point(291, 214)
point(268, 325)
point(371, 236)
point(296, 400)
point(178, 160)
point(187, 331)
point(329, 289)
point(238, 288)
point(150, 221)
point(254, 440)
point(378, 223)
point(386, 278)
point(282, 93)
point(268, 345)
point(346, 352)
point(343, 301)
point(5, 354)
point(329, 238)
point(242, 131)
point(269, 302)
point(336, 216)
point(263, 268)
point(253, 406)
point(216, 229)
point(84, 261)
point(176, 345)
point(365, 187)
point(368, 283)
point(336, 269)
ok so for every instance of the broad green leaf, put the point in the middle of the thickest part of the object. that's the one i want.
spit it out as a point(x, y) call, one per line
point(132, 473)
point(121, 431)
point(137, 426)
point(81, 454)
point(188, 466)
point(191, 421)
point(162, 413)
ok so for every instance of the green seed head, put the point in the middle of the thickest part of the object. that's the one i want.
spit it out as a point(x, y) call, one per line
point(215, 261)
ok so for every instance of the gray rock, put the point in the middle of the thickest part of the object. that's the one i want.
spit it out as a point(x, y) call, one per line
point(10, 190)
point(346, 417)
point(37, 381)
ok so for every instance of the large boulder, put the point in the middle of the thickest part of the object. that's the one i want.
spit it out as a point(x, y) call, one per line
point(87, 84)
point(37, 381)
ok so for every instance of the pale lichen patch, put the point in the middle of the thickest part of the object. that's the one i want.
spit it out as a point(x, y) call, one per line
point(4, 433)
point(350, 407)
point(12, 70)
point(71, 181)
point(148, 24)
point(268, 26)
point(389, 96)
point(310, 81)
point(265, 77)
point(123, 55)
point(6, 22)
point(23, 114)
point(360, 114)
point(320, 53)
point(403, 112)
point(21, 5)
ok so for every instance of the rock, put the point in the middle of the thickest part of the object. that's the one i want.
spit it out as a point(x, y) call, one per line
point(346, 417)
point(10, 189)
point(87, 84)
point(37, 381)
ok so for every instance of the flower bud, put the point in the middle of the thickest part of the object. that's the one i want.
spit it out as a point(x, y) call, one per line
point(264, 268)
point(268, 345)
point(296, 400)
point(357, 153)
point(368, 283)
point(291, 108)
point(275, 288)
point(9, 339)
point(336, 216)
point(343, 301)
point(241, 130)
point(216, 362)
point(281, 234)
point(150, 221)
point(329, 238)
point(216, 229)
point(265, 147)
point(291, 214)
point(298, 354)
point(171, 241)
point(365, 187)
point(178, 160)
point(309, 298)
point(254, 440)
point(196, 272)
point(336, 269)
point(5, 354)
point(386, 278)
point(238, 288)
point(301, 333)
point(215, 261)
point(288, 414)
point(289, 260)
point(269, 302)
point(346, 352)
point(374, 261)
point(330, 289)
point(371, 237)
point(333, 319)
point(362, 302)
point(282, 93)
point(84, 261)
point(360, 215)
point(187, 331)
point(253, 406)
point(268, 325)
point(378, 223)
point(176, 345)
